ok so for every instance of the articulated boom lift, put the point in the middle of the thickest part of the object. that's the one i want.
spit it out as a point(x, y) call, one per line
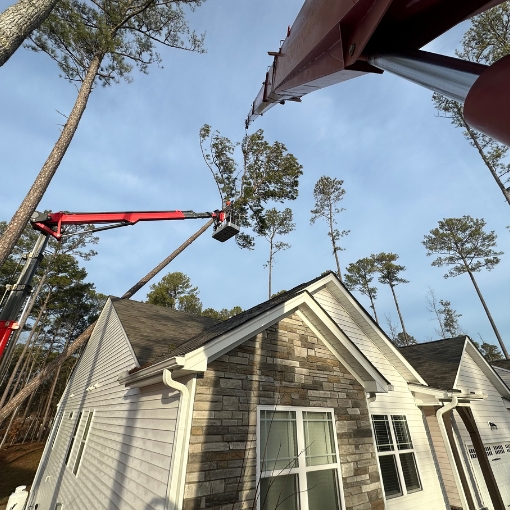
point(332, 41)
point(50, 225)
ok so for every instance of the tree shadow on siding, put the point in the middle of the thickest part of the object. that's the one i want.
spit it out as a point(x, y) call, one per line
point(59, 465)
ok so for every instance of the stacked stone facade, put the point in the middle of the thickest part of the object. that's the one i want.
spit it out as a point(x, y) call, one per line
point(284, 365)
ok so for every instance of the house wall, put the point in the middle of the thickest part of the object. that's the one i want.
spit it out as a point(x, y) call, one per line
point(126, 461)
point(472, 379)
point(287, 365)
point(442, 457)
point(398, 401)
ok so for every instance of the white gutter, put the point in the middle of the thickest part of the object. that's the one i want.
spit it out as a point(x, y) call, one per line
point(448, 407)
point(175, 487)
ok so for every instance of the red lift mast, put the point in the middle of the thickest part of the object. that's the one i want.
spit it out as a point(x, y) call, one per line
point(50, 225)
point(331, 42)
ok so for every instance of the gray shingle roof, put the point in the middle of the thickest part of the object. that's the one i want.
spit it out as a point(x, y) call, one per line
point(501, 363)
point(155, 331)
point(158, 333)
point(225, 326)
point(437, 362)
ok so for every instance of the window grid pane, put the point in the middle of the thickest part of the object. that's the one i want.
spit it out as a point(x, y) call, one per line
point(411, 479)
point(382, 433)
point(279, 492)
point(319, 440)
point(278, 444)
point(322, 489)
point(401, 431)
point(75, 430)
point(389, 474)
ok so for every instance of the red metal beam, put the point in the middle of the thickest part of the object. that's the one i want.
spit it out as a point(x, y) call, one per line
point(329, 42)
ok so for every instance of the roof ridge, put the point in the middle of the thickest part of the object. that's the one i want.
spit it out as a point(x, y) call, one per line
point(434, 341)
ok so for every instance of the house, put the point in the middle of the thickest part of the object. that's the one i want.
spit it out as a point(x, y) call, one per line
point(300, 402)
point(473, 445)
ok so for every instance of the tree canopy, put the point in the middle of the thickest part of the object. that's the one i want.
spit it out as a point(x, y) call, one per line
point(175, 291)
point(359, 276)
point(268, 173)
point(327, 192)
point(463, 245)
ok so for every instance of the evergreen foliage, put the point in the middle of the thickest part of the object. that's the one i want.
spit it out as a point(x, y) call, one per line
point(359, 276)
point(277, 223)
point(463, 245)
point(268, 173)
point(175, 291)
point(327, 193)
point(486, 41)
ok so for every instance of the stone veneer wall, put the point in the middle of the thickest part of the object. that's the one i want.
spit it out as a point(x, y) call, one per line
point(287, 365)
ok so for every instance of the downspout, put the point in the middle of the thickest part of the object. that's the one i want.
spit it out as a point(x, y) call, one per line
point(175, 487)
point(442, 427)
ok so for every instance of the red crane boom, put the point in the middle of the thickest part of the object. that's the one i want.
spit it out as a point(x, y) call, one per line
point(331, 42)
point(50, 225)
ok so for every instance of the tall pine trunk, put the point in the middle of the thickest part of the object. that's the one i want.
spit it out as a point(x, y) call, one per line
point(31, 201)
point(372, 305)
point(50, 368)
point(400, 315)
point(19, 21)
point(486, 308)
point(332, 234)
point(488, 164)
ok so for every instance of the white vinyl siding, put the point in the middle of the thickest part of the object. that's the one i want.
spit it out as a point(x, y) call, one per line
point(398, 401)
point(126, 461)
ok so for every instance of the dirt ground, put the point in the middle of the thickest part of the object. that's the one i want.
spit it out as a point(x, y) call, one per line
point(18, 465)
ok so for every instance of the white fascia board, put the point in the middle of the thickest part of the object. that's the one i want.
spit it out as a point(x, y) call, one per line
point(369, 327)
point(487, 369)
point(150, 375)
point(372, 379)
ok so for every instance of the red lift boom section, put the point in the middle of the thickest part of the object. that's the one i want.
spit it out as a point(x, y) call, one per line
point(334, 41)
point(50, 225)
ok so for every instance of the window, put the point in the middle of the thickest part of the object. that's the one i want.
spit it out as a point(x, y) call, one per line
point(82, 443)
point(297, 458)
point(56, 429)
point(396, 455)
point(73, 436)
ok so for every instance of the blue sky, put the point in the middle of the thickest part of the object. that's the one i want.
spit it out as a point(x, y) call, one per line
point(403, 167)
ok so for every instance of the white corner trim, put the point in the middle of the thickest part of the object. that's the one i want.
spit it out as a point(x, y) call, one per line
point(331, 282)
point(377, 383)
point(177, 475)
point(485, 367)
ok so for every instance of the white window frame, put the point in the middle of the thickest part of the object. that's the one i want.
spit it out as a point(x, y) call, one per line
point(72, 439)
point(302, 468)
point(79, 457)
point(396, 453)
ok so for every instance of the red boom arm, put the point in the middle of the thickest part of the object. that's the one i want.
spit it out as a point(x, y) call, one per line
point(51, 224)
point(334, 41)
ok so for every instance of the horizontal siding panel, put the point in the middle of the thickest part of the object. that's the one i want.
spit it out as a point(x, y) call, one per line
point(127, 458)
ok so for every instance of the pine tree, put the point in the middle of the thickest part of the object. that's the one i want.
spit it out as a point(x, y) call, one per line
point(267, 174)
point(462, 244)
point(389, 275)
point(359, 276)
point(327, 193)
point(277, 223)
point(98, 42)
point(486, 41)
